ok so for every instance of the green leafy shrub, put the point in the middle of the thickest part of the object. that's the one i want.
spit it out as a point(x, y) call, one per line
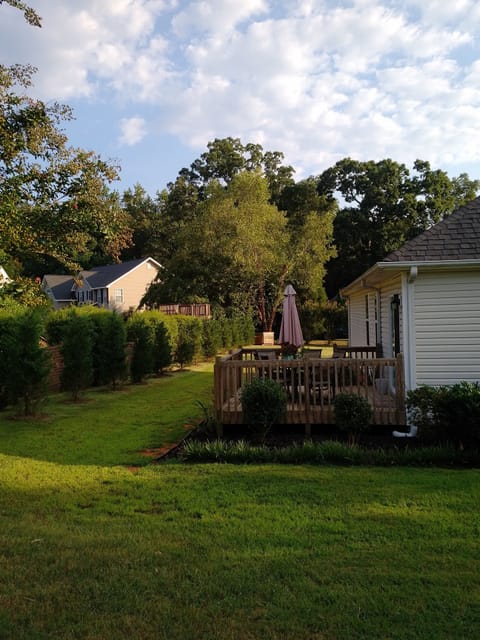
point(24, 363)
point(163, 351)
point(446, 413)
point(76, 349)
point(211, 337)
point(328, 452)
point(189, 342)
point(353, 414)
point(141, 334)
point(264, 403)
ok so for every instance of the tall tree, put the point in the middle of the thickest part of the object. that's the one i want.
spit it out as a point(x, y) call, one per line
point(54, 200)
point(385, 205)
point(238, 250)
point(144, 220)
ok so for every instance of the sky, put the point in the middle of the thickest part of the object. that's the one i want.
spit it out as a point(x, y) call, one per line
point(151, 82)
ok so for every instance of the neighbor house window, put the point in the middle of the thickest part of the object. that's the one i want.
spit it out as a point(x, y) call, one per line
point(118, 296)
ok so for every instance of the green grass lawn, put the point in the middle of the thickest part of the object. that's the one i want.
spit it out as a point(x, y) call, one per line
point(90, 550)
point(111, 427)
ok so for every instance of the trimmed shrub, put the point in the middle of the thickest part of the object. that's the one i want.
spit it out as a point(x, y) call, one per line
point(353, 414)
point(211, 338)
point(446, 414)
point(109, 348)
point(141, 334)
point(189, 342)
point(264, 403)
point(25, 363)
point(76, 349)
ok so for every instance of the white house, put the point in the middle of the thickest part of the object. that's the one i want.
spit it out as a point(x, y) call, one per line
point(424, 300)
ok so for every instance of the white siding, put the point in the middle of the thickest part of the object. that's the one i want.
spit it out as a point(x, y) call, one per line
point(356, 320)
point(447, 327)
point(388, 290)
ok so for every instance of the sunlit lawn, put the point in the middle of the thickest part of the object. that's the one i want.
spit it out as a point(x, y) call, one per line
point(110, 428)
point(90, 550)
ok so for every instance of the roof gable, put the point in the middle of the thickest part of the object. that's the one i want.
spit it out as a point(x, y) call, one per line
point(59, 286)
point(456, 237)
point(99, 277)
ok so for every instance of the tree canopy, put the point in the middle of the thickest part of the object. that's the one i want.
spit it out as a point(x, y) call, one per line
point(30, 15)
point(55, 205)
point(238, 250)
point(385, 205)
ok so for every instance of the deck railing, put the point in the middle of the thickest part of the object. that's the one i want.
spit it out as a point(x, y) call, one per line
point(311, 385)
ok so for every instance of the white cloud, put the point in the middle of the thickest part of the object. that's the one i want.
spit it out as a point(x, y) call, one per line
point(133, 130)
point(317, 79)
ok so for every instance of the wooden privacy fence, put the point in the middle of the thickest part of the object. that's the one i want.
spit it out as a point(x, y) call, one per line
point(311, 385)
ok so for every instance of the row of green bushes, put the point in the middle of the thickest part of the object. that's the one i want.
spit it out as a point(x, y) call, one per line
point(93, 343)
point(327, 452)
point(447, 413)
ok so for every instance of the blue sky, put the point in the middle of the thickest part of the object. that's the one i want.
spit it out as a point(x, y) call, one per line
point(152, 81)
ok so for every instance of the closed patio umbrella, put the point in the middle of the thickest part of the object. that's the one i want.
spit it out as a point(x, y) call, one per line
point(290, 329)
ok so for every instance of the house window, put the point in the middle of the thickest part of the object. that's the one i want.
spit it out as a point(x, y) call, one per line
point(118, 296)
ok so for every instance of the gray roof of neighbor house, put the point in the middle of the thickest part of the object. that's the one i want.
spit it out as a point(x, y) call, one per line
point(456, 237)
point(60, 286)
point(99, 277)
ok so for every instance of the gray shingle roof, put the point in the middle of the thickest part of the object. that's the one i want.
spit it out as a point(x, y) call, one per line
point(457, 237)
point(59, 285)
point(99, 277)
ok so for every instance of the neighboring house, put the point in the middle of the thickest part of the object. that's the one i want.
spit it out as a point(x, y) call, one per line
point(59, 288)
point(115, 286)
point(423, 300)
point(4, 279)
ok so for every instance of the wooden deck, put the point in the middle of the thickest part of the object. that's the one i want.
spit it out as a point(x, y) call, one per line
point(311, 385)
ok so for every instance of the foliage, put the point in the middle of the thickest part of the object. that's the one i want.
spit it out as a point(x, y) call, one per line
point(223, 238)
point(109, 348)
point(353, 414)
point(30, 15)
point(334, 317)
point(23, 292)
point(264, 404)
point(327, 452)
point(76, 349)
point(145, 222)
point(446, 413)
point(185, 351)
point(55, 207)
point(24, 363)
point(385, 205)
point(142, 336)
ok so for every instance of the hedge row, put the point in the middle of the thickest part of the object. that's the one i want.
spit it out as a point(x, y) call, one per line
point(24, 364)
point(93, 343)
